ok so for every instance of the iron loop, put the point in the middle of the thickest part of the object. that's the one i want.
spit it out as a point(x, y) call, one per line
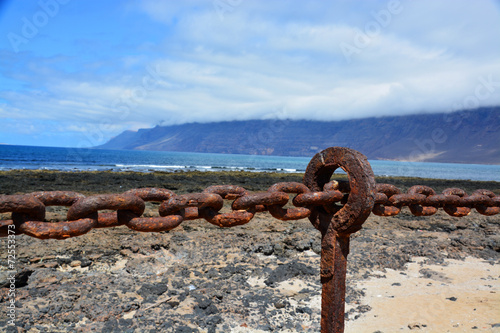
point(351, 216)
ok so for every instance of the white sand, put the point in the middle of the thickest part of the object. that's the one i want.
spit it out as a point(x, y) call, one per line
point(423, 304)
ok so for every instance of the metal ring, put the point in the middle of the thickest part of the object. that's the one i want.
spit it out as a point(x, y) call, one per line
point(278, 212)
point(361, 180)
point(89, 205)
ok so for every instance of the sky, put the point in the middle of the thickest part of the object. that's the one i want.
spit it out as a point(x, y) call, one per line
point(76, 73)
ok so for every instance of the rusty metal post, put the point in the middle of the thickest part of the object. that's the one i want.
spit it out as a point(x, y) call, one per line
point(337, 223)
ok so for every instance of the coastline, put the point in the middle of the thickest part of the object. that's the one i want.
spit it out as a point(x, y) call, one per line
point(259, 277)
point(24, 181)
point(81, 160)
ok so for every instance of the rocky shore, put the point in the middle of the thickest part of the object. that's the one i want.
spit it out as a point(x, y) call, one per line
point(405, 273)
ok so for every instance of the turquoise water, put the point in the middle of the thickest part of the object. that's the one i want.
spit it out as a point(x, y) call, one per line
point(74, 159)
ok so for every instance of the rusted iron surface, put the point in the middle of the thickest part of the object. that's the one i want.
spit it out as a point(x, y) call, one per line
point(90, 205)
point(176, 205)
point(317, 198)
point(57, 230)
point(489, 203)
point(337, 208)
point(424, 193)
point(423, 201)
point(337, 223)
point(260, 199)
point(455, 209)
point(22, 204)
point(128, 206)
point(229, 192)
point(151, 224)
point(57, 198)
point(277, 210)
point(152, 194)
point(334, 251)
point(384, 207)
point(348, 218)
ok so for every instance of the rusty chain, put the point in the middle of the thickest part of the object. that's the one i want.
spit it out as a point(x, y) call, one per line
point(336, 208)
point(84, 213)
point(28, 210)
point(423, 201)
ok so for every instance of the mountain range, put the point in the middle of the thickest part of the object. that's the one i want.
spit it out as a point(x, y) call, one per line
point(468, 136)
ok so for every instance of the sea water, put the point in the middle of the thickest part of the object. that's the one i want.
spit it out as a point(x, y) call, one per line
point(83, 159)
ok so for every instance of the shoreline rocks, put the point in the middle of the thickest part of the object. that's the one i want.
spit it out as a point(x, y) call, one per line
point(259, 277)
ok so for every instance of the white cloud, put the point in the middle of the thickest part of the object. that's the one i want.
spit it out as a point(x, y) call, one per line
point(260, 57)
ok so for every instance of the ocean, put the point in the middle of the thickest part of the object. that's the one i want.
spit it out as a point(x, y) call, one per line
point(82, 159)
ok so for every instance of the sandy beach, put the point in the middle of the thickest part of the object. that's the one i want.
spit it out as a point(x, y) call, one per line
point(405, 273)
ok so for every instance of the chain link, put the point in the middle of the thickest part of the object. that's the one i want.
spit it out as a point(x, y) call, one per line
point(85, 213)
point(336, 208)
point(423, 201)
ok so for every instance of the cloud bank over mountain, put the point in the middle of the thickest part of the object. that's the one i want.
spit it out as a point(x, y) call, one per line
point(75, 76)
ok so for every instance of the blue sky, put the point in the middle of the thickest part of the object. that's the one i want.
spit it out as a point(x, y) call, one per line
point(75, 73)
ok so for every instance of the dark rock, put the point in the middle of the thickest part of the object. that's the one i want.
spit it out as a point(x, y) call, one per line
point(304, 310)
point(211, 266)
point(64, 261)
point(279, 249)
point(39, 292)
point(211, 309)
point(124, 323)
point(185, 329)
point(267, 250)
point(303, 245)
point(363, 308)
point(214, 320)
point(280, 304)
point(204, 302)
point(85, 263)
point(148, 289)
point(414, 326)
point(20, 278)
point(130, 306)
point(288, 271)
point(173, 303)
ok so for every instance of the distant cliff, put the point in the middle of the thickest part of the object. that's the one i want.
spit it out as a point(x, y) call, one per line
point(463, 137)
